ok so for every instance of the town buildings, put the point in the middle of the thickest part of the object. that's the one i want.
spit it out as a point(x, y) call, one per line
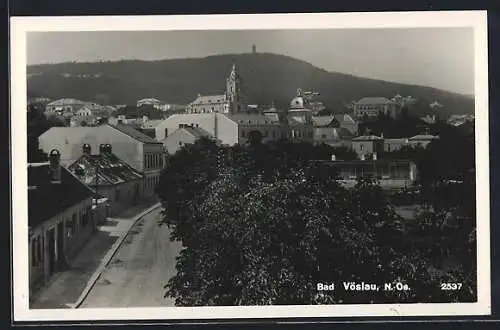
point(334, 130)
point(374, 106)
point(64, 105)
point(391, 174)
point(421, 140)
point(367, 145)
point(108, 175)
point(232, 101)
point(140, 151)
point(60, 218)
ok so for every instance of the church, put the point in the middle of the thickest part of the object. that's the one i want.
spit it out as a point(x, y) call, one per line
point(231, 102)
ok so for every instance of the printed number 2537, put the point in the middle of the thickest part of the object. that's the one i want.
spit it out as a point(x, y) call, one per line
point(451, 286)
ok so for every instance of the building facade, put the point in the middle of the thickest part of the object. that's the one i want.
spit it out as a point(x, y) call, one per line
point(367, 145)
point(391, 174)
point(374, 106)
point(232, 101)
point(60, 218)
point(111, 177)
point(183, 135)
point(138, 150)
point(421, 140)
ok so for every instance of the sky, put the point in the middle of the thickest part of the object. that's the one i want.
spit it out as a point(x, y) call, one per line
point(438, 57)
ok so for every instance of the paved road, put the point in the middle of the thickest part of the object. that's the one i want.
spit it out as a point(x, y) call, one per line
point(141, 267)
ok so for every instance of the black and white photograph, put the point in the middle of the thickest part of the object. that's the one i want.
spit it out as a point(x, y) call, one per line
point(250, 166)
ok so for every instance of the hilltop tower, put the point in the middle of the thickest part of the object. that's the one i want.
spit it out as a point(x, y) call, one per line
point(234, 95)
point(254, 49)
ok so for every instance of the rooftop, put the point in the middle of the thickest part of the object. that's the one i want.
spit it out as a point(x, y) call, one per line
point(45, 199)
point(209, 99)
point(373, 100)
point(196, 131)
point(367, 138)
point(243, 118)
point(67, 101)
point(110, 170)
point(423, 137)
point(133, 133)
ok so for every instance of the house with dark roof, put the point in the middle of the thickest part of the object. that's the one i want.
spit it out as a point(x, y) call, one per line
point(111, 177)
point(141, 152)
point(60, 218)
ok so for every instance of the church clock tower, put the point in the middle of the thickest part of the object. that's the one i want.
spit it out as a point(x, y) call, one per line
point(234, 95)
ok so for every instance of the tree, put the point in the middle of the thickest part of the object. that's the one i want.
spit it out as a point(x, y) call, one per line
point(255, 138)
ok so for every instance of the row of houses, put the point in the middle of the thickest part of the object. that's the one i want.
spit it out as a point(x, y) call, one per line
point(92, 173)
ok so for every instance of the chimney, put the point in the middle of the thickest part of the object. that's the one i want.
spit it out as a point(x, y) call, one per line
point(374, 156)
point(102, 149)
point(55, 166)
point(86, 149)
point(108, 149)
point(334, 158)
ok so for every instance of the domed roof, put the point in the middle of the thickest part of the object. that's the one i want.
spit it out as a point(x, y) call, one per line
point(297, 102)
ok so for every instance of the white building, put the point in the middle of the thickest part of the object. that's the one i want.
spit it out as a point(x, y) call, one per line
point(375, 106)
point(232, 101)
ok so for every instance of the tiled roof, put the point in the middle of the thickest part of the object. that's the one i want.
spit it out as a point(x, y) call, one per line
point(133, 133)
point(109, 168)
point(151, 123)
point(373, 100)
point(47, 199)
point(196, 131)
point(249, 119)
point(367, 138)
point(209, 99)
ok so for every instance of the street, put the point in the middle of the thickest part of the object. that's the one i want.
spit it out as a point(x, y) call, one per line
point(138, 271)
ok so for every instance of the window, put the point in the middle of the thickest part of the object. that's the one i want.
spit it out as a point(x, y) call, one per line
point(117, 195)
point(310, 134)
point(361, 147)
point(166, 132)
point(74, 219)
point(242, 133)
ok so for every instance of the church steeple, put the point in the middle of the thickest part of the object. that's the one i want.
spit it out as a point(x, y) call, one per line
point(234, 91)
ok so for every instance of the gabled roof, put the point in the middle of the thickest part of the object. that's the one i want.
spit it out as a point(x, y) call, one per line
point(367, 138)
point(423, 137)
point(45, 199)
point(66, 101)
point(373, 100)
point(133, 133)
point(109, 169)
point(197, 132)
point(323, 120)
point(209, 99)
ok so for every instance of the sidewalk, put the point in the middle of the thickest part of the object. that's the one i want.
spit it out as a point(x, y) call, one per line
point(66, 286)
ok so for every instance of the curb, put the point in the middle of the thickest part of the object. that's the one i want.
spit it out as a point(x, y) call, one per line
point(107, 258)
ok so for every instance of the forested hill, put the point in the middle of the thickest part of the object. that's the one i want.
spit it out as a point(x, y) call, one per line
point(266, 77)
